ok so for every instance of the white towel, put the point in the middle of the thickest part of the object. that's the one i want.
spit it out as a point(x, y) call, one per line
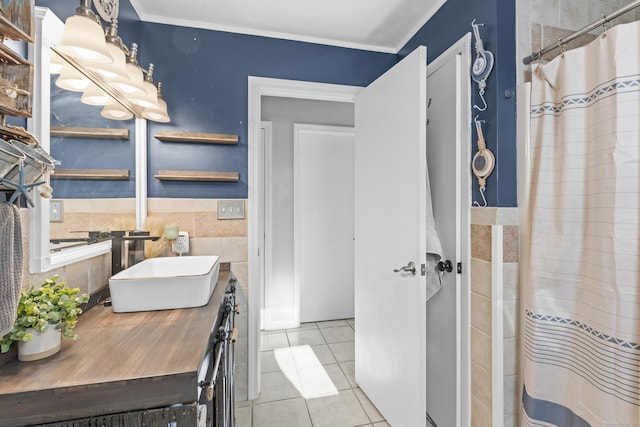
point(434, 249)
point(10, 265)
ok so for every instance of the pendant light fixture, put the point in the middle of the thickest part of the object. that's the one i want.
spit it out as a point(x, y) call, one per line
point(100, 65)
point(83, 36)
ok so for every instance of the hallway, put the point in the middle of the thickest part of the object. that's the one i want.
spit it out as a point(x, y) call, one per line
point(307, 380)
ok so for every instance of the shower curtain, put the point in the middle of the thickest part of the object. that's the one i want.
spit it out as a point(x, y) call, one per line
point(581, 299)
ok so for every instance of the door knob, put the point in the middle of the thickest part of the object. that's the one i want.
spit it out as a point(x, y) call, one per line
point(445, 266)
point(409, 268)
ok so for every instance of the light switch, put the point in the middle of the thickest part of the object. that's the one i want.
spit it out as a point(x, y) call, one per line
point(230, 209)
point(56, 211)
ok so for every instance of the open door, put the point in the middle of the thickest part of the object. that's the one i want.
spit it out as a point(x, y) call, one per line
point(390, 232)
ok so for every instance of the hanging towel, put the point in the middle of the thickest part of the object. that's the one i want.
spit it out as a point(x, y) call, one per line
point(434, 249)
point(10, 265)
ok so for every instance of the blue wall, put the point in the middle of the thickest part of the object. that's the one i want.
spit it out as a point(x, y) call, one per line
point(445, 28)
point(204, 75)
point(84, 153)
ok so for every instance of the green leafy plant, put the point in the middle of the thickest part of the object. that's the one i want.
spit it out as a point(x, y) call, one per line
point(51, 303)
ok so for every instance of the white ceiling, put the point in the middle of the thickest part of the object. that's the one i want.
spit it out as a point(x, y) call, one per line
point(378, 25)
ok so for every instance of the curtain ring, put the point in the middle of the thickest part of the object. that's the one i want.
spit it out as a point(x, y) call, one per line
point(604, 26)
point(561, 47)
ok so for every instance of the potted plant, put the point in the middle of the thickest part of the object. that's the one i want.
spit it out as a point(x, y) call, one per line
point(45, 313)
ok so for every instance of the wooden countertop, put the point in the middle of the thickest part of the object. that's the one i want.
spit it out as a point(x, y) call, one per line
point(121, 362)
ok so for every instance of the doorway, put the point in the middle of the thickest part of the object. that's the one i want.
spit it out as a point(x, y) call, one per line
point(259, 88)
point(306, 145)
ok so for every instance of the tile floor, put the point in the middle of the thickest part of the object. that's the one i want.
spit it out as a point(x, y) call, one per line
point(307, 380)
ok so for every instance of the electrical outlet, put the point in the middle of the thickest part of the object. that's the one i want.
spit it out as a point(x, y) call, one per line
point(181, 245)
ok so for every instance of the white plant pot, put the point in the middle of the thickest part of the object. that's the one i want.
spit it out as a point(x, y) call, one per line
point(41, 345)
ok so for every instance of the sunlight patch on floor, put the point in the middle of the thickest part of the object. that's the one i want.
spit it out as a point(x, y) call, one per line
point(303, 369)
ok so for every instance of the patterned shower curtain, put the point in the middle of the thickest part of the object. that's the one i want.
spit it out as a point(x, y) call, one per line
point(581, 301)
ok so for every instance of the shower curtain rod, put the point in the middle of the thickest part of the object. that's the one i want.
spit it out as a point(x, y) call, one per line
point(536, 55)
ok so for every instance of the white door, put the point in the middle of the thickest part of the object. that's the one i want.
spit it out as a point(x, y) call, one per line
point(323, 221)
point(390, 206)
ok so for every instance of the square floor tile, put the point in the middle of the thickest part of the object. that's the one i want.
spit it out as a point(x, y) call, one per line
point(324, 354)
point(349, 370)
point(276, 386)
point(337, 376)
point(338, 334)
point(305, 337)
point(317, 382)
point(343, 410)
point(268, 362)
point(243, 416)
point(275, 340)
point(343, 351)
point(285, 413)
point(372, 412)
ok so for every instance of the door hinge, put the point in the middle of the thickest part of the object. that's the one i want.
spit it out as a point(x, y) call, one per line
point(459, 268)
point(423, 269)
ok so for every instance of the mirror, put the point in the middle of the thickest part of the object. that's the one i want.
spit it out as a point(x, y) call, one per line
point(48, 33)
point(94, 182)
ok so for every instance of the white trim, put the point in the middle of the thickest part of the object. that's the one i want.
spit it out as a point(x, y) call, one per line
point(80, 253)
point(265, 250)
point(497, 326)
point(258, 87)
point(48, 33)
point(158, 19)
point(141, 171)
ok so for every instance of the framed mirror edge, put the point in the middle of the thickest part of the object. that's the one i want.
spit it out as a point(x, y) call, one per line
point(49, 30)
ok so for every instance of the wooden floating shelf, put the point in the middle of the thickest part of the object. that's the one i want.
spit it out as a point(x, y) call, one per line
point(95, 174)
point(209, 138)
point(89, 133)
point(179, 175)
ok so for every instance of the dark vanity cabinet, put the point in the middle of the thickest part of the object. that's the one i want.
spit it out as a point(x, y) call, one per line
point(165, 368)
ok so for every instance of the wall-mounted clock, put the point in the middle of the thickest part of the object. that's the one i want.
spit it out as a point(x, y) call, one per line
point(107, 9)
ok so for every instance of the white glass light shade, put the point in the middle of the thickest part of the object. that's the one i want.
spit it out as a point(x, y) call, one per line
point(115, 70)
point(150, 99)
point(158, 114)
point(56, 63)
point(83, 39)
point(73, 80)
point(96, 96)
point(132, 85)
point(150, 88)
point(116, 111)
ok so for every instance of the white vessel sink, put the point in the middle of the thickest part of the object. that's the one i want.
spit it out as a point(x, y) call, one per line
point(165, 283)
